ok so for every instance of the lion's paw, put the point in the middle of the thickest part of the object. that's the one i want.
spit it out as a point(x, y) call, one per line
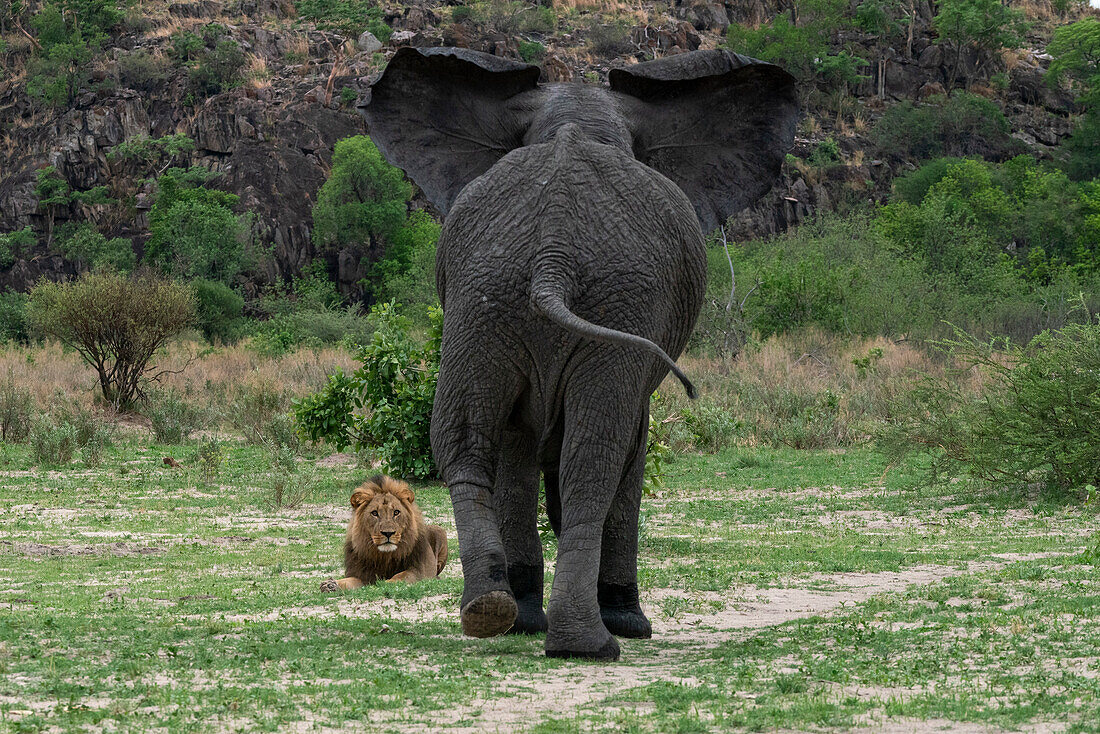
point(330, 585)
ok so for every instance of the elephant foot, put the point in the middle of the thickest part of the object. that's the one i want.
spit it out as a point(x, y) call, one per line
point(526, 583)
point(609, 650)
point(621, 613)
point(489, 615)
point(529, 622)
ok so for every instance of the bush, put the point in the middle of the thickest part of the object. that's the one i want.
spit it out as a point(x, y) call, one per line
point(1037, 418)
point(255, 407)
point(173, 416)
point(385, 405)
point(85, 247)
point(531, 51)
point(15, 246)
point(142, 70)
point(52, 442)
point(13, 317)
point(218, 311)
point(610, 39)
point(363, 198)
point(115, 323)
point(407, 273)
point(193, 230)
point(961, 124)
point(219, 68)
point(210, 457)
point(803, 48)
point(16, 406)
point(350, 17)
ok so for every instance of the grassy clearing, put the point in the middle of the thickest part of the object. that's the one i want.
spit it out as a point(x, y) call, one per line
point(788, 589)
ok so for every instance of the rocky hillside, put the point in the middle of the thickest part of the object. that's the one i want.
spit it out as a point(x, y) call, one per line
point(270, 126)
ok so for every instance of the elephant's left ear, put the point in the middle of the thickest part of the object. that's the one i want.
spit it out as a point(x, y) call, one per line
point(717, 123)
point(446, 115)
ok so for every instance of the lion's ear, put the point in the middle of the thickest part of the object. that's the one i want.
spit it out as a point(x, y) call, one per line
point(363, 495)
point(401, 491)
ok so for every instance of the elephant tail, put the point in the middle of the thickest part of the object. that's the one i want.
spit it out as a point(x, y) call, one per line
point(550, 302)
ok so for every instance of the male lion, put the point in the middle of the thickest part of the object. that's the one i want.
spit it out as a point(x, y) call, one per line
point(387, 538)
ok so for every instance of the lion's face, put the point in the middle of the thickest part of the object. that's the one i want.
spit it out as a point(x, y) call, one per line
point(384, 511)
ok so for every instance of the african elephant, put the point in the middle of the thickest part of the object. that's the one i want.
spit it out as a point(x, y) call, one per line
point(571, 268)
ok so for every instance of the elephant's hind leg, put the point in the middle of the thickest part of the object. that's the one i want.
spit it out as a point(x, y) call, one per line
point(472, 404)
point(516, 492)
point(599, 432)
point(618, 585)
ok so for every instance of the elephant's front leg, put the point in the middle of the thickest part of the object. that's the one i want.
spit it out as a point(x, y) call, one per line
point(516, 495)
point(618, 586)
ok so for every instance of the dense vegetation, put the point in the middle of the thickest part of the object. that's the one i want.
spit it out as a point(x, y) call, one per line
point(975, 231)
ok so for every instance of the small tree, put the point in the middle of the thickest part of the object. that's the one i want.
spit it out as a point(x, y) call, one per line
point(1075, 49)
point(988, 25)
point(115, 323)
point(363, 198)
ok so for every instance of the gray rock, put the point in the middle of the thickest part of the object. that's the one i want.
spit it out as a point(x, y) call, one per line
point(368, 43)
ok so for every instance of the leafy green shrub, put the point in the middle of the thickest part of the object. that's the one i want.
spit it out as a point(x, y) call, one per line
point(407, 273)
point(988, 25)
point(802, 48)
point(350, 17)
point(52, 442)
point(83, 245)
point(531, 51)
point(218, 311)
point(363, 198)
point(173, 416)
point(961, 124)
point(186, 46)
point(16, 406)
point(712, 426)
point(15, 246)
point(219, 69)
point(115, 323)
point(1036, 419)
point(657, 454)
point(13, 317)
point(385, 405)
point(311, 328)
point(193, 230)
point(826, 153)
point(328, 415)
point(142, 70)
point(210, 457)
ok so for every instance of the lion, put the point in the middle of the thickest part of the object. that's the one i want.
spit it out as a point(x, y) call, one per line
point(387, 538)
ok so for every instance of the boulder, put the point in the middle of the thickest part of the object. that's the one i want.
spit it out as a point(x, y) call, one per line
point(368, 43)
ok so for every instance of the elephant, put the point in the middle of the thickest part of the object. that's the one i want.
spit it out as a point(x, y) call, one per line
point(571, 268)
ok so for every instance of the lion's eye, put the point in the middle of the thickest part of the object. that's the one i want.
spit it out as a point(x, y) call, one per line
point(396, 513)
point(374, 512)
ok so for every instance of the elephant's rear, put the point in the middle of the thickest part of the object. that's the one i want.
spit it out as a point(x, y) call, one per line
point(618, 241)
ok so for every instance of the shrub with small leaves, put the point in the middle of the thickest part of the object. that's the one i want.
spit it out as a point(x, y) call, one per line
point(256, 407)
point(53, 442)
point(173, 417)
point(210, 456)
point(385, 406)
point(1037, 418)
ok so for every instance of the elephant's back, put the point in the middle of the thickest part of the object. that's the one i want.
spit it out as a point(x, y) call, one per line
point(624, 226)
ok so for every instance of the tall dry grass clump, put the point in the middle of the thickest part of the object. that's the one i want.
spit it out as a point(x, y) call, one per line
point(804, 390)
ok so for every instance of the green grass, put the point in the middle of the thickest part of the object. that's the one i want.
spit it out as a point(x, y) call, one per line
point(137, 597)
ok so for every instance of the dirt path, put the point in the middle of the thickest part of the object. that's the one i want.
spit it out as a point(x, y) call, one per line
point(579, 686)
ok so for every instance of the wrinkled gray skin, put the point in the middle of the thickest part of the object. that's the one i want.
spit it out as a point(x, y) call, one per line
point(571, 265)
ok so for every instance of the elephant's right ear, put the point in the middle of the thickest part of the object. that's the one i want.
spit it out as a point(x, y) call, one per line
point(446, 115)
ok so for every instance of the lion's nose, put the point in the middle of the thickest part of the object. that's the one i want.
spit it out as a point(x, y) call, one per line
point(388, 534)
